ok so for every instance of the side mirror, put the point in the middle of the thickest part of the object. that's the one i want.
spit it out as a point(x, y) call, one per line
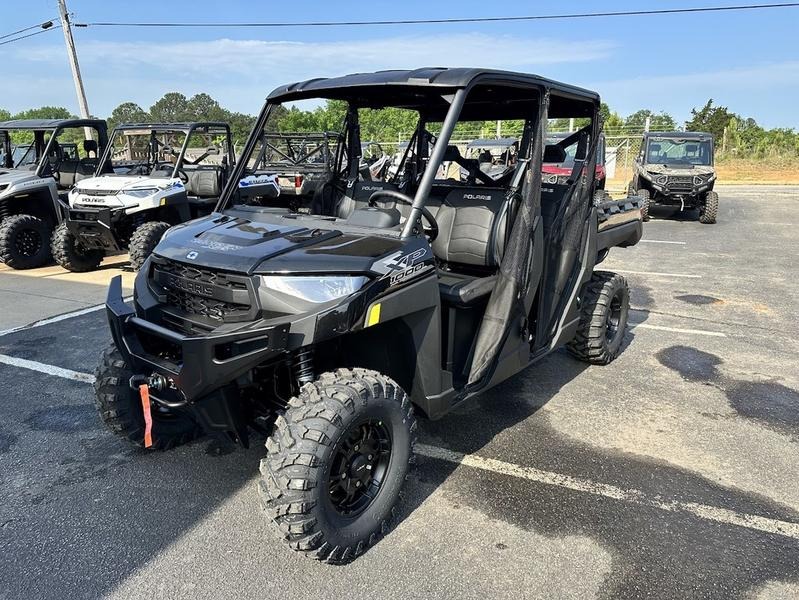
point(167, 150)
point(254, 186)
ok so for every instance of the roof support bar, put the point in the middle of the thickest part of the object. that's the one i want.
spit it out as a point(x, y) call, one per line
point(435, 159)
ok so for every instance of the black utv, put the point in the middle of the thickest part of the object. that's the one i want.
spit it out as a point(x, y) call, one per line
point(41, 159)
point(676, 169)
point(330, 331)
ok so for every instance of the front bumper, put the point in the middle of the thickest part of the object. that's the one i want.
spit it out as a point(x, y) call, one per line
point(94, 227)
point(199, 368)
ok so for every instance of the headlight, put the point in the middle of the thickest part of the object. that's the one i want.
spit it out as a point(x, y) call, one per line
point(316, 289)
point(662, 179)
point(699, 179)
point(141, 192)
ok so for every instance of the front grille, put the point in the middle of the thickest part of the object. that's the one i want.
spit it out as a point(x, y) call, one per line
point(97, 192)
point(217, 310)
point(681, 182)
point(198, 291)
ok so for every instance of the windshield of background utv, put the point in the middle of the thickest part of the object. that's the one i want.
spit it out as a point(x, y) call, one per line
point(141, 151)
point(674, 151)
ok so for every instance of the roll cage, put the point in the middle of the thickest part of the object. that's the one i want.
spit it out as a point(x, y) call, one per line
point(155, 145)
point(43, 148)
point(439, 96)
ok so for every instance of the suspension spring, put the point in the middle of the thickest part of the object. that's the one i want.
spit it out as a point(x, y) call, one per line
point(303, 366)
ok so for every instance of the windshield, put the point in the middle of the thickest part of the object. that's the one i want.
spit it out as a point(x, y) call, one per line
point(676, 151)
point(23, 155)
point(143, 152)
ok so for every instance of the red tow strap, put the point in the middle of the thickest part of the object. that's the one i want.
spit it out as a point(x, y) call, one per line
point(144, 392)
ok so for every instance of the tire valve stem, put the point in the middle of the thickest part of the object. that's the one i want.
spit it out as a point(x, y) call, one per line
point(303, 366)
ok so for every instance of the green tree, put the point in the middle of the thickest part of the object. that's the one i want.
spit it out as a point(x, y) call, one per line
point(4, 115)
point(127, 112)
point(45, 112)
point(661, 121)
point(711, 119)
point(202, 107)
point(173, 107)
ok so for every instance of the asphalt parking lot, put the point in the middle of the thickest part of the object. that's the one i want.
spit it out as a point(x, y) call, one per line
point(671, 473)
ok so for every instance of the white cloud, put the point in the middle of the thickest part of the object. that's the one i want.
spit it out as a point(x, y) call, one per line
point(761, 91)
point(240, 73)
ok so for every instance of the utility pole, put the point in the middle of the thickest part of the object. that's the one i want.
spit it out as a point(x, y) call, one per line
point(647, 123)
point(83, 105)
point(571, 124)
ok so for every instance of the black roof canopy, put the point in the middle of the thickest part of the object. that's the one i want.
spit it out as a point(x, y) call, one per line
point(50, 124)
point(504, 94)
point(683, 135)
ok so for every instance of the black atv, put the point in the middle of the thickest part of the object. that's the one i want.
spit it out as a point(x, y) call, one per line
point(676, 169)
point(329, 332)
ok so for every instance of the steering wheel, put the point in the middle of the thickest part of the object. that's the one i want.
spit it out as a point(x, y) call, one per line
point(431, 233)
point(183, 176)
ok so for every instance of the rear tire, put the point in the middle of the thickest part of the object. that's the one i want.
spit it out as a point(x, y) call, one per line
point(348, 432)
point(709, 210)
point(144, 240)
point(603, 319)
point(645, 200)
point(68, 252)
point(121, 410)
point(24, 242)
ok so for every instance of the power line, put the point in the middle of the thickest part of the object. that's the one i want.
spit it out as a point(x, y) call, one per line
point(22, 37)
point(626, 13)
point(45, 25)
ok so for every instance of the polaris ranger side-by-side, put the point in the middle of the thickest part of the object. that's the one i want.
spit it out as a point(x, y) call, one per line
point(329, 332)
point(41, 160)
point(151, 176)
point(676, 169)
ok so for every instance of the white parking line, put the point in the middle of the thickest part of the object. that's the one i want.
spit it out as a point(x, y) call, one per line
point(34, 365)
point(676, 329)
point(631, 496)
point(660, 242)
point(57, 318)
point(656, 274)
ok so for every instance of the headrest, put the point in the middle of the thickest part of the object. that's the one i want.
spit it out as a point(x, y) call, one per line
point(452, 154)
point(654, 147)
point(553, 153)
point(691, 148)
point(89, 146)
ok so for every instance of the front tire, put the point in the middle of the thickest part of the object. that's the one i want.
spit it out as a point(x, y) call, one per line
point(69, 253)
point(144, 240)
point(645, 201)
point(24, 242)
point(336, 462)
point(709, 210)
point(121, 410)
point(603, 319)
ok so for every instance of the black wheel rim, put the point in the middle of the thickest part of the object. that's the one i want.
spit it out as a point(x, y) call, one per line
point(28, 242)
point(613, 320)
point(359, 467)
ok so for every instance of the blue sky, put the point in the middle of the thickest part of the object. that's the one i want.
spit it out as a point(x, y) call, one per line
point(748, 61)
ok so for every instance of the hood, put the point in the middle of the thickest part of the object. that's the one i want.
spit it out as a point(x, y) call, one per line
point(113, 183)
point(242, 246)
point(14, 176)
point(678, 169)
